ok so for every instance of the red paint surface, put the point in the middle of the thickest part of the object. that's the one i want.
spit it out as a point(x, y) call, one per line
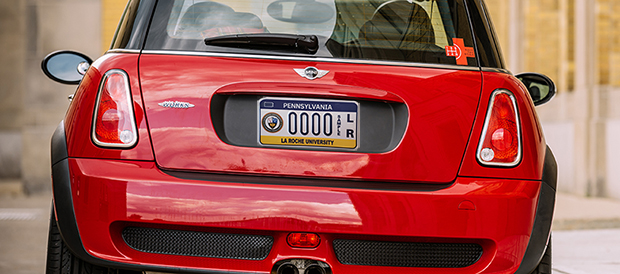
point(114, 188)
point(442, 104)
point(79, 118)
point(109, 195)
point(533, 140)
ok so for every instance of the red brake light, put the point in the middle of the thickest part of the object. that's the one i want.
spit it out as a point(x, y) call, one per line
point(303, 240)
point(114, 124)
point(500, 143)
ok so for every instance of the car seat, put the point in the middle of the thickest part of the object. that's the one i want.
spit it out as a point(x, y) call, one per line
point(210, 19)
point(396, 31)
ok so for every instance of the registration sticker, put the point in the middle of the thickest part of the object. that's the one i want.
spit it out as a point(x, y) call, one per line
point(460, 51)
point(308, 122)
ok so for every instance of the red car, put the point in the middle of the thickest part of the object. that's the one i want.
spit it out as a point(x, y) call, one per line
point(301, 137)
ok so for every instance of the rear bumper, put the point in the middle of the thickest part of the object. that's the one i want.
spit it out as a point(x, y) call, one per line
point(96, 199)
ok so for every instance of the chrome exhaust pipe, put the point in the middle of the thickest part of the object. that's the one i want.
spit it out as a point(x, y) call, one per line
point(315, 269)
point(301, 266)
point(287, 268)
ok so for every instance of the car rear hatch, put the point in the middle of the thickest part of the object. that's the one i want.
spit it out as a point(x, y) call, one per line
point(214, 114)
point(381, 91)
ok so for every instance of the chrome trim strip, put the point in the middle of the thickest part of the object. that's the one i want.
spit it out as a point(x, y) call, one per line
point(486, 126)
point(123, 51)
point(317, 59)
point(500, 70)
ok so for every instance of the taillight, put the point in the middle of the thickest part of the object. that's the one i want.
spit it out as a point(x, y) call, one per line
point(500, 143)
point(114, 124)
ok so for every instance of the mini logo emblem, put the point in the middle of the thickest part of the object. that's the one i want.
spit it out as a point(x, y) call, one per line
point(272, 122)
point(311, 73)
point(176, 104)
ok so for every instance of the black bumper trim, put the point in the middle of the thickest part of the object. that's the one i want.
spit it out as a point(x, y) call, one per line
point(313, 182)
point(541, 231)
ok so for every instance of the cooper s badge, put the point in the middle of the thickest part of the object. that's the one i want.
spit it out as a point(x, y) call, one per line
point(175, 104)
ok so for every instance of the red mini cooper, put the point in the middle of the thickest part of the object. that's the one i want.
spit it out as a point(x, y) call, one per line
point(301, 137)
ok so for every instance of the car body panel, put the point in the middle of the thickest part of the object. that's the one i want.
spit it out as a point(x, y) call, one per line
point(431, 150)
point(78, 125)
point(533, 140)
point(109, 195)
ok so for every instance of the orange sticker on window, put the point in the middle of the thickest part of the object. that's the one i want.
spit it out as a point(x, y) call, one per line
point(459, 51)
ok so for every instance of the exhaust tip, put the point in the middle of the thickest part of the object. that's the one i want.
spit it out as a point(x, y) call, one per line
point(287, 268)
point(315, 269)
point(301, 266)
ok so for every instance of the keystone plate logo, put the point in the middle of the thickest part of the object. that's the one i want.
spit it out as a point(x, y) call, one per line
point(311, 73)
point(272, 122)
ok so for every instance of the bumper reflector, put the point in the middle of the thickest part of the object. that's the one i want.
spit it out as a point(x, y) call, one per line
point(303, 240)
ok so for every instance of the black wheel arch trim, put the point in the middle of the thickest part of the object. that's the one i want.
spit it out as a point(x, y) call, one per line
point(67, 224)
point(541, 231)
point(59, 144)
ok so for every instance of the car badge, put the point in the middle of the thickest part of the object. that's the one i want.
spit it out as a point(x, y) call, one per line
point(272, 122)
point(176, 104)
point(311, 73)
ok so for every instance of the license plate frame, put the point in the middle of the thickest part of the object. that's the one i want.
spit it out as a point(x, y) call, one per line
point(308, 122)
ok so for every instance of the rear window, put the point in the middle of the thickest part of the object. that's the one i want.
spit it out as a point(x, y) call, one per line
point(423, 31)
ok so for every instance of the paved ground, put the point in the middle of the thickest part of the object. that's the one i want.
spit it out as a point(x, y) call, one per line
point(586, 237)
point(572, 212)
point(586, 251)
point(23, 233)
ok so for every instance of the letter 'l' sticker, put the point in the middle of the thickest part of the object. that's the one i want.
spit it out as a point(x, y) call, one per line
point(459, 51)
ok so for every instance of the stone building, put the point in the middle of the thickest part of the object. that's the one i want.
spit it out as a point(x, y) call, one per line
point(575, 42)
point(31, 106)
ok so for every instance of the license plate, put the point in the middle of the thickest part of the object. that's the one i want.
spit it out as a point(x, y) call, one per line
point(308, 122)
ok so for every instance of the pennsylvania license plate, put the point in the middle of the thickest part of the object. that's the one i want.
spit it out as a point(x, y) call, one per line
point(308, 122)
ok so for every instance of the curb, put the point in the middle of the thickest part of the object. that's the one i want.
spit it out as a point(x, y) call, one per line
point(582, 224)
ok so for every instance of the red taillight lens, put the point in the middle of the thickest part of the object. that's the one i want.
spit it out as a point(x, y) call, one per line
point(114, 124)
point(500, 143)
point(303, 240)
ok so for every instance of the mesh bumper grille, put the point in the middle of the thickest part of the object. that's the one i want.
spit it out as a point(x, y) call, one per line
point(445, 255)
point(201, 244)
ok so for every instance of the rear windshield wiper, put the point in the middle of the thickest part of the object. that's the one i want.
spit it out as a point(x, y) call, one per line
point(298, 43)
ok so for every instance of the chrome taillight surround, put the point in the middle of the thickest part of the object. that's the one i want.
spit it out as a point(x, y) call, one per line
point(485, 129)
point(130, 113)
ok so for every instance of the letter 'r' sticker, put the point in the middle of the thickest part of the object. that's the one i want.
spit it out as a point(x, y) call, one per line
point(459, 51)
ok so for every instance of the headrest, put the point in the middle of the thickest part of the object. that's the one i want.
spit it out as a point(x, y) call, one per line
point(399, 23)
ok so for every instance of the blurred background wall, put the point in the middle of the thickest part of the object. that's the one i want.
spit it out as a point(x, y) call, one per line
point(31, 105)
point(575, 42)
